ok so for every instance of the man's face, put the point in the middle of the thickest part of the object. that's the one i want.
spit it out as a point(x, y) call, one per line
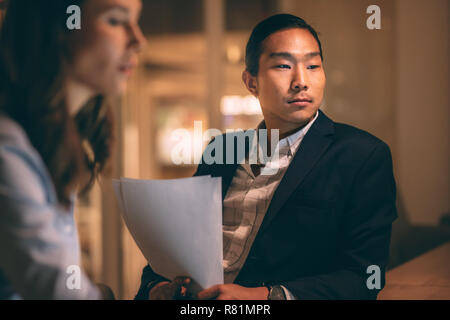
point(290, 81)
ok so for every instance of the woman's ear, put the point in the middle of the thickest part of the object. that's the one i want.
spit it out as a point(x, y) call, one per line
point(250, 82)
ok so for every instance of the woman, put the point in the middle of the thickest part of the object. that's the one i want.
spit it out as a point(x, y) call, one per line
point(56, 133)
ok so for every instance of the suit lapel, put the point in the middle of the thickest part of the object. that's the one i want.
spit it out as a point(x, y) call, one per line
point(314, 144)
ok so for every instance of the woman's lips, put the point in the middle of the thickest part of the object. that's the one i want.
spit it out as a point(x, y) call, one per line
point(127, 69)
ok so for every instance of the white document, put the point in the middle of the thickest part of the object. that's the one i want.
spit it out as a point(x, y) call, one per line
point(177, 224)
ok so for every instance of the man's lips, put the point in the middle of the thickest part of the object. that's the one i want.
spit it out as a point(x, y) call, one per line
point(299, 101)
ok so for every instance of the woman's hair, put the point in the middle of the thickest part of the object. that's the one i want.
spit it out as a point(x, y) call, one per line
point(2, 7)
point(33, 55)
point(267, 27)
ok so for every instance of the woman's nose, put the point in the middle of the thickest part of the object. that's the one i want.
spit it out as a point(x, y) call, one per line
point(138, 40)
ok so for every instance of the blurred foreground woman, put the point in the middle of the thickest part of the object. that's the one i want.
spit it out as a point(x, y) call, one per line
point(56, 133)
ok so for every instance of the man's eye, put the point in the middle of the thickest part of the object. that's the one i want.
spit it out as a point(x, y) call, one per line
point(312, 67)
point(283, 66)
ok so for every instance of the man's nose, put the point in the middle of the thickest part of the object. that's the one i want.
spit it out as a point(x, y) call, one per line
point(299, 81)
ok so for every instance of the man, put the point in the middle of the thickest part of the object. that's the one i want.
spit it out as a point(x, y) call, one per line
point(312, 229)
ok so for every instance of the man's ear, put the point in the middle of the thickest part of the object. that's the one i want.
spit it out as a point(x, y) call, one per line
point(250, 83)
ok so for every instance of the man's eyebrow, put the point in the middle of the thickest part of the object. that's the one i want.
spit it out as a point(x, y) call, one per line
point(290, 56)
point(310, 55)
point(285, 55)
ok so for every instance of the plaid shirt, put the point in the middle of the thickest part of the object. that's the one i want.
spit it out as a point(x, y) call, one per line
point(247, 201)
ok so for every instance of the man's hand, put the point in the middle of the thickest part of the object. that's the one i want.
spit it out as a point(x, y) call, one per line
point(170, 290)
point(233, 292)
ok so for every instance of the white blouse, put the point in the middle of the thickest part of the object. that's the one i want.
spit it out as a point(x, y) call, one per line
point(39, 245)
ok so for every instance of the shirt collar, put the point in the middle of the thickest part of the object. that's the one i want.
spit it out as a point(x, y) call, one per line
point(292, 141)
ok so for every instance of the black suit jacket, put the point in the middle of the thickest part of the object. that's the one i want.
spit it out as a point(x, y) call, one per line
point(329, 219)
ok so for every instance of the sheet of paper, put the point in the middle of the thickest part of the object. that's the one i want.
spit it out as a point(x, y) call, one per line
point(177, 224)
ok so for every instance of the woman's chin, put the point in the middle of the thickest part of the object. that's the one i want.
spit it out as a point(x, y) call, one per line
point(122, 88)
point(116, 89)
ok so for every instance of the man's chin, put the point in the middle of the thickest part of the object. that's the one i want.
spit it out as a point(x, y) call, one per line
point(301, 117)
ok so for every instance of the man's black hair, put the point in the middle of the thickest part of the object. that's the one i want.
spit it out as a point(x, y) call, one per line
point(264, 29)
